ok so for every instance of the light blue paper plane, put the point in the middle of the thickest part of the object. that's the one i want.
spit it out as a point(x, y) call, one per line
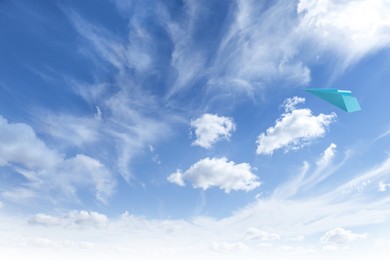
point(340, 98)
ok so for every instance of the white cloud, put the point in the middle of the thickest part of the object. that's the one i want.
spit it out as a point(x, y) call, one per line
point(364, 180)
point(133, 128)
point(257, 42)
point(218, 172)
point(341, 236)
point(309, 176)
point(177, 178)
point(230, 247)
point(265, 43)
point(209, 129)
point(383, 135)
point(79, 219)
point(46, 171)
point(294, 129)
point(77, 131)
point(290, 104)
point(87, 171)
point(327, 156)
point(352, 29)
point(258, 234)
point(260, 45)
point(128, 117)
point(19, 144)
point(383, 186)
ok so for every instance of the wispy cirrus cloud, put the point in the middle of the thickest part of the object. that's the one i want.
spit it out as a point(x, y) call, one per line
point(128, 114)
point(255, 43)
point(260, 45)
point(337, 26)
point(309, 177)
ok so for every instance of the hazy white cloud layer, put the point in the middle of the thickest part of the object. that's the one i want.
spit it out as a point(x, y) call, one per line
point(217, 172)
point(210, 128)
point(78, 219)
point(240, 235)
point(294, 129)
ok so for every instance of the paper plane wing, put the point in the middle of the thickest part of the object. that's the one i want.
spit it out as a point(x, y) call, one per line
point(340, 98)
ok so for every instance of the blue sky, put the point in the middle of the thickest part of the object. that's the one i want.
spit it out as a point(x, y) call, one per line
point(181, 129)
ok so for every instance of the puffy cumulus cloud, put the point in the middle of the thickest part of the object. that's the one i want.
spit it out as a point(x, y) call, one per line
point(341, 236)
point(210, 128)
point(46, 171)
point(79, 219)
point(229, 247)
point(352, 29)
point(258, 234)
point(217, 172)
point(294, 129)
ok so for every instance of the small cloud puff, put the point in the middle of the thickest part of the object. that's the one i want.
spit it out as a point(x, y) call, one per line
point(383, 186)
point(217, 172)
point(258, 234)
point(339, 236)
point(291, 103)
point(210, 129)
point(294, 129)
point(229, 247)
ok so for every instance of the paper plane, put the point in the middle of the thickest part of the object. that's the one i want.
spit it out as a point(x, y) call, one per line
point(340, 98)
